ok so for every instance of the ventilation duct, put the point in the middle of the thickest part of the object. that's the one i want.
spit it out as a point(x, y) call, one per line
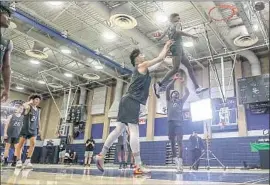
point(121, 17)
point(232, 34)
point(117, 97)
point(82, 99)
point(37, 51)
point(144, 42)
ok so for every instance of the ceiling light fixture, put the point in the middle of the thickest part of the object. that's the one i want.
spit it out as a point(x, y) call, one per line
point(19, 87)
point(109, 36)
point(69, 75)
point(188, 44)
point(36, 62)
point(161, 18)
point(41, 82)
point(55, 3)
point(66, 51)
point(98, 67)
point(255, 27)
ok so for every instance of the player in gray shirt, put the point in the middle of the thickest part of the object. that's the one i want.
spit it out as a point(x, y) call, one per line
point(175, 33)
point(12, 132)
point(175, 118)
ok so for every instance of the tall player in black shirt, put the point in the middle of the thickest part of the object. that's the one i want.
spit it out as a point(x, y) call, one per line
point(31, 122)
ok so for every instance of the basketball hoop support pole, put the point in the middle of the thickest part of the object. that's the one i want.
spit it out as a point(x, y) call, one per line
point(207, 152)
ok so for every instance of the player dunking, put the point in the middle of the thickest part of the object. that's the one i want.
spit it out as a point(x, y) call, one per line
point(175, 104)
point(129, 107)
point(175, 33)
point(29, 129)
point(12, 132)
point(6, 47)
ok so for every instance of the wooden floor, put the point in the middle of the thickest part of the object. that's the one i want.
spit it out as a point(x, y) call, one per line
point(72, 175)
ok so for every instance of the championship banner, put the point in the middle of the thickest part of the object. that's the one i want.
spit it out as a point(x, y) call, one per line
point(224, 115)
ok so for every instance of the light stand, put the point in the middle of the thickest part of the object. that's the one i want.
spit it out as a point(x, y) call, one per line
point(207, 154)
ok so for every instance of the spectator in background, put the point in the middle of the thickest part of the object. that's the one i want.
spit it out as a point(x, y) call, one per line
point(88, 154)
point(196, 148)
point(121, 149)
point(49, 152)
point(62, 151)
point(70, 157)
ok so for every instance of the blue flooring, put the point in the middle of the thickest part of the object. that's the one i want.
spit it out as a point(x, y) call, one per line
point(260, 178)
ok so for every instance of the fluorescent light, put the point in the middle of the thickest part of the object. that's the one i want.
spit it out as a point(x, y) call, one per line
point(161, 18)
point(66, 51)
point(41, 82)
point(201, 110)
point(188, 44)
point(19, 87)
point(99, 67)
point(36, 62)
point(69, 75)
point(109, 36)
point(255, 27)
point(55, 3)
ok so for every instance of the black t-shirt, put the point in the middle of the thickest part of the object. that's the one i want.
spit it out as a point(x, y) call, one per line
point(90, 147)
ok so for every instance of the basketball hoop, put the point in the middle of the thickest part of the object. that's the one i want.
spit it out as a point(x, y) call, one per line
point(215, 11)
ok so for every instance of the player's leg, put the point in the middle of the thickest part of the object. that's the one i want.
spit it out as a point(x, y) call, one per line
point(20, 145)
point(179, 140)
point(90, 158)
point(108, 143)
point(135, 147)
point(6, 153)
point(86, 157)
point(31, 149)
point(190, 70)
point(176, 60)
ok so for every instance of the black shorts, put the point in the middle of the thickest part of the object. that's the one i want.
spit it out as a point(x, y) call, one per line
point(177, 50)
point(27, 135)
point(12, 140)
point(129, 110)
point(175, 128)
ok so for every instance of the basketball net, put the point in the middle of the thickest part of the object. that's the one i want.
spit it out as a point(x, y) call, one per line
point(228, 12)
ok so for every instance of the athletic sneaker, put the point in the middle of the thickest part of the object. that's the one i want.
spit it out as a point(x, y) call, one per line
point(27, 164)
point(19, 164)
point(141, 170)
point(156, 89)
point(200, 90)
point(99, 159)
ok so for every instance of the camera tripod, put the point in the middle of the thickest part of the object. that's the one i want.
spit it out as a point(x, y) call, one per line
point(207, 154)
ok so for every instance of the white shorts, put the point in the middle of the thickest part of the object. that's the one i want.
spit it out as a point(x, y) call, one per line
point(88, 154)
point(62, 154)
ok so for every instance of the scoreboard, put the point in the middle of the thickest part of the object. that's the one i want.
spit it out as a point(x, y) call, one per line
point(254, 89)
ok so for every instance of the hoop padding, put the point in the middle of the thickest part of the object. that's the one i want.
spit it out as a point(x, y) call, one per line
point(223, 6)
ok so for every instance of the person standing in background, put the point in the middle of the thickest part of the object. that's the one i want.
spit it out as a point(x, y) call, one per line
point(12, 133)
point(175, 103)
point(62, 152)
point(196, 148)
point(89, 150)
point(121, 149)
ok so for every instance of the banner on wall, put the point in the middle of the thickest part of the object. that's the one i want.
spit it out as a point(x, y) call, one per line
point(224, 115)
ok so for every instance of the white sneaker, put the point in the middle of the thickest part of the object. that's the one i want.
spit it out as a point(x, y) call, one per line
point(200, 90)
point(19, 164)
point(99, 159)
point(27, 164)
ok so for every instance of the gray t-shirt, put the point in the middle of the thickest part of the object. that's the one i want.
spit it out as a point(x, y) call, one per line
point(139, 86)
point(175, 110)
point(15, 126)
point(172, 33)
point(30, 121)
